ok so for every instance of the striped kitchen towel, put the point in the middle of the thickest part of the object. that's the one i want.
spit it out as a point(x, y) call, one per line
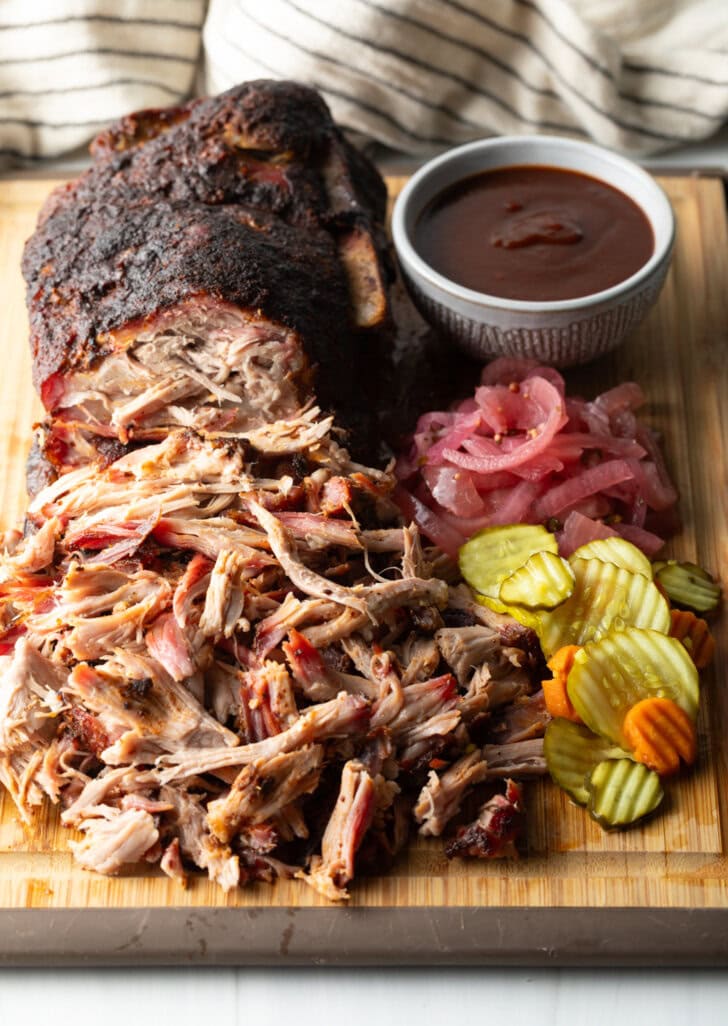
point(636, 75)
point(417, 75)
point(69, 67)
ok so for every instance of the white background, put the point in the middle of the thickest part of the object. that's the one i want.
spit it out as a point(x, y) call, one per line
point(363, 997)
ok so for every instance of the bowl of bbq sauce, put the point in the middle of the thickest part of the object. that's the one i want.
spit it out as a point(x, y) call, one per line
point(533, 246)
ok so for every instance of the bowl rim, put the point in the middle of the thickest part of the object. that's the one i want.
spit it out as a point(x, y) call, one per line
point(410, 258)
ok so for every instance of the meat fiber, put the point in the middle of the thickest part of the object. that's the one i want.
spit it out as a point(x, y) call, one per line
point(494, 832)
point(264, 787)
point(29, 718)
point(115, 840)
point(219, 724)
point(200, 724)
point(442, 796)
point(352, 816)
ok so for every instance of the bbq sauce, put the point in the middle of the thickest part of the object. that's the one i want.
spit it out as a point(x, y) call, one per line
point(534, 233)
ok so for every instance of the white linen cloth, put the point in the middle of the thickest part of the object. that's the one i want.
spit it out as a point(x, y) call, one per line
point(636, 75)
point(639, 76)
point(70, 67)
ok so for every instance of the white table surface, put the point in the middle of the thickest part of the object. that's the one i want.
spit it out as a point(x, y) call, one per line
point(269, 997)
point(363, 997)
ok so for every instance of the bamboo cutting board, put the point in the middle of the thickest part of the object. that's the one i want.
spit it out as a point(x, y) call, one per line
point(656, 894)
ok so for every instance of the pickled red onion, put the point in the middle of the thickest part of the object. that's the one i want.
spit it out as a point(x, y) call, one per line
point(520, 451)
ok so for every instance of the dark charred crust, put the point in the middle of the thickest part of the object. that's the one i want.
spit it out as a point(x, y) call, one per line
point(156, 256)
point(110, 450)
point(495, 832)
point(53, 452)
point(478, 842)
point(454, 617)
point(299, 467)
point(140, 688)
point(86, 730)
point(427, 619)
point(224, 198)
point(136, 129)
point(525, 639)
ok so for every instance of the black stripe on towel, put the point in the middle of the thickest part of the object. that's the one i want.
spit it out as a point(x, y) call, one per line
point(29, 123)
point(433, 69)
point(478, 51)
point(339, 94)
point(101, 51)
point(648, 69)
point(618, 122)
point(148, 83)
point(186, 26)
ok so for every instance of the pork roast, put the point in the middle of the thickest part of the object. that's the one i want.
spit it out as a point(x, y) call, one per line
point(211, 257)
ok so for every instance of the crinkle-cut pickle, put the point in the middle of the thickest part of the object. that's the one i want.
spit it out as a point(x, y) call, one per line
point(621, 792)
point(572, 751)
point(611, 675)
point(618, 551)
point(495, 553)
point(605, 596)
point(528, 617)
point(688, 585)
point(544, 581)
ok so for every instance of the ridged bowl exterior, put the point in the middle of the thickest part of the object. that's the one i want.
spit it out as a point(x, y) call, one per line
point(563, 339)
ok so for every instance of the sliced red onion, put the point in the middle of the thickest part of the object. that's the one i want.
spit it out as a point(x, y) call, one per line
point(506, 369)
point(518, 450)
point(626, 396)
point(579, 530)
point(583, 485)
point(430, 523)
point(454, 490)
point(647, 541)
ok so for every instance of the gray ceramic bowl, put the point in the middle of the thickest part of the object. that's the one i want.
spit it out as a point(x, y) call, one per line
point(562, 332)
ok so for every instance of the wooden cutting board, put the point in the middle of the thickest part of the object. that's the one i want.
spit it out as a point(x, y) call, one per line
point(655, 894)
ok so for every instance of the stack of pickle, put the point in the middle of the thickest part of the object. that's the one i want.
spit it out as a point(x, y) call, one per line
point(624, 692)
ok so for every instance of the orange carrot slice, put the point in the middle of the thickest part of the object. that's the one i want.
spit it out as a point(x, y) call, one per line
point(695, 635)
point(660, 734)
point(555, 694)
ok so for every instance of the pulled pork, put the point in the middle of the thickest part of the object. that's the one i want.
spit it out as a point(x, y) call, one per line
point(219, 645)
point(241, 680)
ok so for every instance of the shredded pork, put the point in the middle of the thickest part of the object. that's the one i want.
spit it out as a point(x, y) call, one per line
point(195, 698)
point(220, 646)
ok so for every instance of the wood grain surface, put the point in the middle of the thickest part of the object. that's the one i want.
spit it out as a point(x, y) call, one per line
point(680, 356)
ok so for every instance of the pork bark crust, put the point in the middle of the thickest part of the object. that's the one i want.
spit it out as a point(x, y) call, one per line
point(252, 198)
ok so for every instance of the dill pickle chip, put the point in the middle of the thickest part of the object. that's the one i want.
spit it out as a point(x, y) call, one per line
point(688, 585)
point(495, 553)
point(572, 751)
point(604, 596)
point(542, 582)
point(611, 675)
point(528, 617)
point(618, 551)
point(621, 792)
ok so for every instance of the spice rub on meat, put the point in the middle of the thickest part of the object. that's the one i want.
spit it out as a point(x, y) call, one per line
point(208, 260)
point(219, 644)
